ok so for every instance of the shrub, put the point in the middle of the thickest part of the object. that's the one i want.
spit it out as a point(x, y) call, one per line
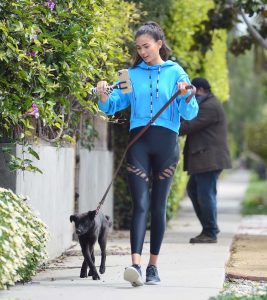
point(184, 19)
point(51, 54)
point(255, 138)
point(178, 186)
point(23, 238)
point(255, 201)
point(122, 198)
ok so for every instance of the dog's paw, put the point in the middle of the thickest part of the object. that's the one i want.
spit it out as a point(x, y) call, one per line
point(96, 276)
point(102, 270)
point(83, 275)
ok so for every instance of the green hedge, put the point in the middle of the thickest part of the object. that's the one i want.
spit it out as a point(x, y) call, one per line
point(23, 238)
point(122, 197)
point(178, 186)
point(238, 297)
point(255, 138)
point(51, 54)
point(182, 21)
point(255, 201)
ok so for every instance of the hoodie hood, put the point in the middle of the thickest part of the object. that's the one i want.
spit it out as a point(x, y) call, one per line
point(145, 66)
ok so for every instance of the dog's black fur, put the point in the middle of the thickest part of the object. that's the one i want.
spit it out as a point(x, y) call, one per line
point(91, 227)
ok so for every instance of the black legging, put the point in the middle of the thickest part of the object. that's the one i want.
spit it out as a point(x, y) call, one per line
point(156, 152)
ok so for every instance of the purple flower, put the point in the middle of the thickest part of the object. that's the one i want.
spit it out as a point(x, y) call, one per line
point(35, 37)
point(33, 111)
point(51, 4)
point(33, 54)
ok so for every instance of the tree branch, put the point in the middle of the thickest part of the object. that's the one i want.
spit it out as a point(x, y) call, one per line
point(260, 40)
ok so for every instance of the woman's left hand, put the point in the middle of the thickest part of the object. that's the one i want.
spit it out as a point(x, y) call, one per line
point(181, 87)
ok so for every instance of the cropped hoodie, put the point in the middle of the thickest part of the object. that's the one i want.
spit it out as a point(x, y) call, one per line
point(160, 81)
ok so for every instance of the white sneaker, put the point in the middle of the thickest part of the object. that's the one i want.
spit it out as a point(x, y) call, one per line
point(133, 274)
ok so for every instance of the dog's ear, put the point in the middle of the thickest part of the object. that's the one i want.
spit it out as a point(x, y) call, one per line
point(92, 214)
point(73, 218)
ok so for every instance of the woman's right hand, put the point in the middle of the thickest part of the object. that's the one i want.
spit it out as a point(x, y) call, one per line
point(101, 89)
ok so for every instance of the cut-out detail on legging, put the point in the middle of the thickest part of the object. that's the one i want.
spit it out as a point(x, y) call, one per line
point(137, 172)
point(167, 173)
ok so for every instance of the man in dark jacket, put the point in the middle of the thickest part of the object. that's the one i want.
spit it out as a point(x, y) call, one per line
point(206, 154)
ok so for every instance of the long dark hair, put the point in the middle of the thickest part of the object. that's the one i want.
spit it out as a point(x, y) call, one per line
point(155, 31)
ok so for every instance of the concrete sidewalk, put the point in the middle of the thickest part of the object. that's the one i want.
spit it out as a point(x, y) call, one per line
point(188, 272)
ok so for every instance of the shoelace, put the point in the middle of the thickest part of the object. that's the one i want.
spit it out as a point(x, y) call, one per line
point(152, 270)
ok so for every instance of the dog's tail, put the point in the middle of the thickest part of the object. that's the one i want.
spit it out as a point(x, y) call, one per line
point(109, 221)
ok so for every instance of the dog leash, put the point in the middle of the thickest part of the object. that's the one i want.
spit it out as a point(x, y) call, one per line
point(139, 135)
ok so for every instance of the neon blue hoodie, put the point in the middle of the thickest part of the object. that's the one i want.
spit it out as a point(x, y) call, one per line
point(139, 98)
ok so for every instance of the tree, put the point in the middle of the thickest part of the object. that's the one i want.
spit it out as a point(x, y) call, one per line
point(182, 21)
point(247, 96)
point(156, 10)
point(226, 15)
point(247, 61)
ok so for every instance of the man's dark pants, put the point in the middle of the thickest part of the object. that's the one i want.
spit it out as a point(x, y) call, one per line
point(202, 190)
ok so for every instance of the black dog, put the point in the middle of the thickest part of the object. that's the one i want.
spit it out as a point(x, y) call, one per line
point(91, 227)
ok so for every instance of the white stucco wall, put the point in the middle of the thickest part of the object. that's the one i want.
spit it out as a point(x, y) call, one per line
point(95, 173)
point(51, 194)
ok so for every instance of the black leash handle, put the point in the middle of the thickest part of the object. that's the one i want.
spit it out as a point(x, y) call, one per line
point(144, 129)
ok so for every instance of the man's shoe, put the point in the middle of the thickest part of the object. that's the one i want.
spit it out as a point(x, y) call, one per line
point(133, 274)
point(152, 276)
point(202, 239)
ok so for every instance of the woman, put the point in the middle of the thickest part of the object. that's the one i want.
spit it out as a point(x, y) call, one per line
point(154, 80)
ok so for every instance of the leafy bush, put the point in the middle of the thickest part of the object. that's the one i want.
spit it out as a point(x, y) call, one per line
point(255, 138)
point(183, 21)
point(255, 201)
point(242, 289)
point(23, 238)
point(51, 54)
point(178, 186)
point(122, 197)
point(234, 297)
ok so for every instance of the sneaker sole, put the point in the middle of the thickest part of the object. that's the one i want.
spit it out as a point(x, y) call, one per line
point(132, 275)
point(203, 242)
point(152, 282)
